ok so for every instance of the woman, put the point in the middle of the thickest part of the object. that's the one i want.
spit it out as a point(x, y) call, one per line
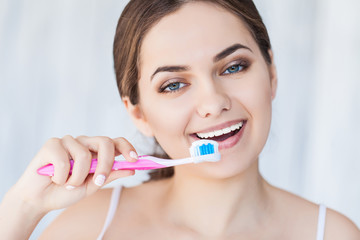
point(185, 69)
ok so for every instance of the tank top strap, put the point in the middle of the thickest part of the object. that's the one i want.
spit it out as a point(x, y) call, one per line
point(115, 196)
point(321, 222)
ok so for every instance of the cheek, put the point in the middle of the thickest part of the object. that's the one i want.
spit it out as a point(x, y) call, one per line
point(168, 118)
point(255, 92)
point(254, 95)
point(262, 109)
point(257, 98)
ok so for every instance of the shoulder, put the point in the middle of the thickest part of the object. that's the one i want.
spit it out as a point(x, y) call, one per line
point(338, 226)
point(302, 214)
point(83, 220)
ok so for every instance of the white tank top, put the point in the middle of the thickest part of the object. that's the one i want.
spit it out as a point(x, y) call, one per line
point(115, 196)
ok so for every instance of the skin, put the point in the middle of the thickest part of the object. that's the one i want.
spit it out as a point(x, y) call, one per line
point(228, 199)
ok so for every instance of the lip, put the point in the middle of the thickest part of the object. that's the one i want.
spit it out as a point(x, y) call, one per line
point(221, 126)
point(231, 141)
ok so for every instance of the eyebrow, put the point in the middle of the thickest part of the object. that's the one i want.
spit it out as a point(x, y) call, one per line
point(227, 51)
point(170, 69)
point(224, 53)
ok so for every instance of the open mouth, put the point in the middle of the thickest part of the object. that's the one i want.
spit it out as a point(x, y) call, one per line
point(222, 134)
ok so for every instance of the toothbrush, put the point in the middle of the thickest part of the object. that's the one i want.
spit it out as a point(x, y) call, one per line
point(200, 151)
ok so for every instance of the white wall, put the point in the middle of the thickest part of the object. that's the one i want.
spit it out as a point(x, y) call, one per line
point(56, 75)
point(314, 148)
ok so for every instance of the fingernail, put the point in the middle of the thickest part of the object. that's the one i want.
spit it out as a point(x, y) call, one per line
point(69, 187)
point(99, 180)
point(133, 155)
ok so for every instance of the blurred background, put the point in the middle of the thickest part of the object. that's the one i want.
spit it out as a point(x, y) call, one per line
point(57, 78)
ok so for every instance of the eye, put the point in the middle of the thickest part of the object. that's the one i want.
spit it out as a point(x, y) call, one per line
point(238, 66)
point(233, 69)
point(172, 87)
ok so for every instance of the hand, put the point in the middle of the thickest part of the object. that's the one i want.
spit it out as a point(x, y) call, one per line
point(46, 193)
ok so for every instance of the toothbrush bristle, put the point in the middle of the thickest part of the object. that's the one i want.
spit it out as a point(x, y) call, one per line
point(206, 149)
point(203, 147)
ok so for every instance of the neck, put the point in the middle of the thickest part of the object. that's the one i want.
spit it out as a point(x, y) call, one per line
point(213, 207)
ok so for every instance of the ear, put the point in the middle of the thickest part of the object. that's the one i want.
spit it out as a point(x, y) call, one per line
point(138, 117)
point(273, 75)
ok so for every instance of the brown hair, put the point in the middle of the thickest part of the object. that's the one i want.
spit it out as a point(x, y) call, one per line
point(140, 15)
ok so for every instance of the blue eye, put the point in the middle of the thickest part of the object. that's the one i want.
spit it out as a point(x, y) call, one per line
point(233, 69)
point(173, 87)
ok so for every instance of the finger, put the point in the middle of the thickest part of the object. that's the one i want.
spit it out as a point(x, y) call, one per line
point(54, 152)
point(119, 174)
point(91, 187)
point(124, 147)
point(82, 161)
point(105, 149)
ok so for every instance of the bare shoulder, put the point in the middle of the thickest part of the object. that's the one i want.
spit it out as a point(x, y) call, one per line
point(339, 226)
point(301, 214)
point(83, 220)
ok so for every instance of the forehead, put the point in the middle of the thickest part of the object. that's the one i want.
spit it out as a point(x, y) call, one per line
point(194, 30)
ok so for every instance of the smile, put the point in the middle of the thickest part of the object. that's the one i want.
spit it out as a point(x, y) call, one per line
point(222, 133)
point(227, 135)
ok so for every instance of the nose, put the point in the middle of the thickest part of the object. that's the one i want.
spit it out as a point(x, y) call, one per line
point(212, 100)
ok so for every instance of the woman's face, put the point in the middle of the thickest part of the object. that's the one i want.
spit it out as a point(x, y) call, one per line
point(202, 74)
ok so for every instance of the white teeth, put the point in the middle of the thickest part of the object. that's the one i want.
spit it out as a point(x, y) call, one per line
point(221, 131)
point(218, 133)
point(227, 130)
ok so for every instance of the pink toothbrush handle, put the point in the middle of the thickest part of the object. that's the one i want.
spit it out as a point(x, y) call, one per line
point(141, 164)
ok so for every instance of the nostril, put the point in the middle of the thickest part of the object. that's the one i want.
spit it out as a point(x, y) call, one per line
point(212, 99)
point(213, 107)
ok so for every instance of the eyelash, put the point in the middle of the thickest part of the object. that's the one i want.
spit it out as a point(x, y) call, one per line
point(163, 88)
point(243, 64)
